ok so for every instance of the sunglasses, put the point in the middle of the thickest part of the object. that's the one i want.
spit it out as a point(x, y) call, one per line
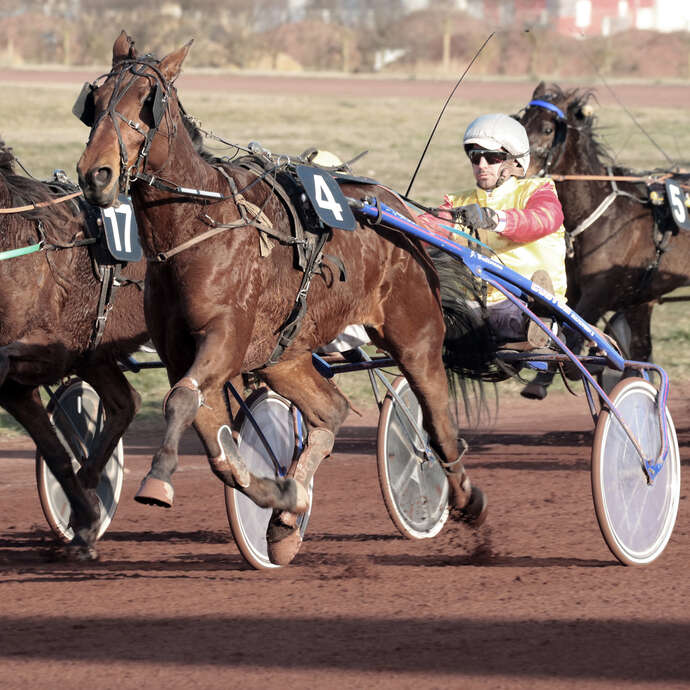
point(491, 157)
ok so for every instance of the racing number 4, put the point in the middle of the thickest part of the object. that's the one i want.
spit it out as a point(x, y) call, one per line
point(325, 199)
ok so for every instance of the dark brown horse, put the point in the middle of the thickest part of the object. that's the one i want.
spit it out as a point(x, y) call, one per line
point(48, 312)
point(625, 259)
point(214, 307)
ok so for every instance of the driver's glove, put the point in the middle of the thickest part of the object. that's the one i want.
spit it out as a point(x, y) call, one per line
point(476, 217)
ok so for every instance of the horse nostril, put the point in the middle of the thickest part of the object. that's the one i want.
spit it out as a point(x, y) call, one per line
point(101, 177)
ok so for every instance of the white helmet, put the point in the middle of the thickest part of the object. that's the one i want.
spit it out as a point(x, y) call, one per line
point(497, 131)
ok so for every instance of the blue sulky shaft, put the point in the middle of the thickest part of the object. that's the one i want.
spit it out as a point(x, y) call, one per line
point(494, 272)
point(516, 287)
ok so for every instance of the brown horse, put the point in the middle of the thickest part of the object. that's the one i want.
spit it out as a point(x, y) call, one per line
point(48, 330)
point(215, 304)
point(628, 257)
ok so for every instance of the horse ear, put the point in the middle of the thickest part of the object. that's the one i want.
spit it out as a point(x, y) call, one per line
point(123, 47)
point(171, 64)
point(539, 91)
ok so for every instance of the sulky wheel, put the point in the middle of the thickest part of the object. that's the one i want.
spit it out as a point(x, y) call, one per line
point(77, 413)
point(282, 426)
point(414, 485)
point(635, 517)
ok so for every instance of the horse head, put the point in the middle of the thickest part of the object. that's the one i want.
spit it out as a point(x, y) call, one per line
point(133, 114)
point(550, 117)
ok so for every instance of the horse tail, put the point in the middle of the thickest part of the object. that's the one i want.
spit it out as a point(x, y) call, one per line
point(469, 346)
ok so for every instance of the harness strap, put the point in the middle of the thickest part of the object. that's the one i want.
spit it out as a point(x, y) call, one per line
point(244, 205)
point(599, 210)
point(105, 305)
point(661, 239)
point(254, 165)
point(288, 331)
point(264, 224)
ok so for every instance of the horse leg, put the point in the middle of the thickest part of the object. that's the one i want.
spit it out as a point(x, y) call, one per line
point(120, 403)
point(639, 318)
point(537, 388)
point(33, 363)
point(324, 408)
point(24, 404)
point(416, 345)
point(198, 398)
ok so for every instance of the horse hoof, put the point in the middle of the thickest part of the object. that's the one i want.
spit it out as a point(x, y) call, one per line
point(282, 543)
point(534, 391)
point(78, 551)
point(155, 492)
point(474, 513)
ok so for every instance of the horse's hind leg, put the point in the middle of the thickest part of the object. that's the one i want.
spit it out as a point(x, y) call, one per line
point(324, 408)
point(413, 333)
point(24, 404)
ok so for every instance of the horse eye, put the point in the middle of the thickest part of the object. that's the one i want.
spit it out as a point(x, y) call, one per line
point(548, 129)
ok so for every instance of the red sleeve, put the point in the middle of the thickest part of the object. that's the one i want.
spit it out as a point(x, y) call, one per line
point(541, 216)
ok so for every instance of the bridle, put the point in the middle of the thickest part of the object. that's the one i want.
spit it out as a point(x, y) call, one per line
point(84, 109)
point(558, 141)
point(553, 155)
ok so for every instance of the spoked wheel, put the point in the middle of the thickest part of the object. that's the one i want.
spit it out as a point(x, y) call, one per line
point(636, 518)
point(414, 488)
point(283, 429)
point(78, 416)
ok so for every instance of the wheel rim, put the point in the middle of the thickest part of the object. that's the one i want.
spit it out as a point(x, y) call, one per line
point(418, 489)
point(638, 518)
point(248, 521)
point(81, 403)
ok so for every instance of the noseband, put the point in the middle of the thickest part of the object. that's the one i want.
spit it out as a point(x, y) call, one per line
point(558, 138)
point(136, 67)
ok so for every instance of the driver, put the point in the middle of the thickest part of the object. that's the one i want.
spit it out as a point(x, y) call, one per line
point(519, 218)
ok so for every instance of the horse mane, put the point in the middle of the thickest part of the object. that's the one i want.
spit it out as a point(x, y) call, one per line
point(575, 102)
point(20, 190)
point(6, 159)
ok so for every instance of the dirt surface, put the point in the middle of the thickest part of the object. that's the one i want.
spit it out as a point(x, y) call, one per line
point(632, 94)
point(534, 599)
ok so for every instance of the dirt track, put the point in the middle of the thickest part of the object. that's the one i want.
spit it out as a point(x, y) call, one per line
point(534, 600)
point(661, 95)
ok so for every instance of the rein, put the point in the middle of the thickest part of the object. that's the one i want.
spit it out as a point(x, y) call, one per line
point(42, 244)
point(40, 204)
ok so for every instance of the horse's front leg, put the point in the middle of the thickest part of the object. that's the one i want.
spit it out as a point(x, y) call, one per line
point(180, 407)
point(198, 398)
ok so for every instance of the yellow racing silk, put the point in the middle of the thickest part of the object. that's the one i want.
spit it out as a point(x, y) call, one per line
point(547, 252)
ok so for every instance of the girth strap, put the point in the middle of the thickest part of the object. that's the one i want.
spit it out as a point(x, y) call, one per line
point(105, 304)
point(288, 331)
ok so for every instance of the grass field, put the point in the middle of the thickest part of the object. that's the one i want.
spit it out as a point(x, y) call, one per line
point(36, 121)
